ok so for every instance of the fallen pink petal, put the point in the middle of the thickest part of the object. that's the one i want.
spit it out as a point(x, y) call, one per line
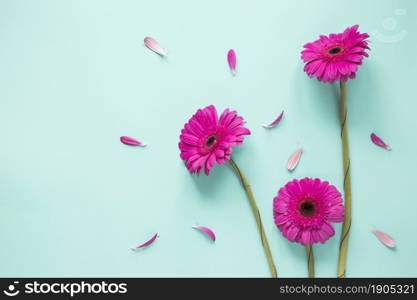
point(206, 230)
point(294, 159)
point(127, 140)
point(154, 45)
point(275, 122)
point(379, 142)
point(147, 243)
point(384, 238)
point(231, 59)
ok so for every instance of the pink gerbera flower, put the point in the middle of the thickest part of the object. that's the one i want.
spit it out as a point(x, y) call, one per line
point(305, 209)
point(337, 56)
point(207, 139)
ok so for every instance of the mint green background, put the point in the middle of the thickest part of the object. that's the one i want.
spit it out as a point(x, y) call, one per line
point(75, 75)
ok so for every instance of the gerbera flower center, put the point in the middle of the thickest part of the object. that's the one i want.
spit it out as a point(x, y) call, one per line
point(334, 50)
point(211, 140)
point(307, 208)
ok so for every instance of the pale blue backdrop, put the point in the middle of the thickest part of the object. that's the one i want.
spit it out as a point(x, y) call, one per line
point(75, 75)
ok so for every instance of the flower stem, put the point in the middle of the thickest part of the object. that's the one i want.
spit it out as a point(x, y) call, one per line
point(310, 260)
point(341, 269)
point(255, 210)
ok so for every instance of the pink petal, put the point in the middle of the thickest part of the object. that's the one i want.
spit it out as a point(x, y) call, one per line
point(384, 238)
point(147, 243)
point(275, 122)
point(207, 231)
point(306, 237)
point(231, 59)
point(152, 44)
point(131, 141)
point(377, 141)
point(294, 159)
point(292, 233)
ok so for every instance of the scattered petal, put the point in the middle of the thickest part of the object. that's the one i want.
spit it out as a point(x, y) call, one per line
point(377, 141)
point(294, 159)
point(384, 238)
point(275, 122)
point(231, 59)
point(207, 231)
point(153, 44)
point(147, 243)
point(131, 141)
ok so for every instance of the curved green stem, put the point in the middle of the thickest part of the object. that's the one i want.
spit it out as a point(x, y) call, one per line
point(310, 260)
point(255, 210)
point(341, 269)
